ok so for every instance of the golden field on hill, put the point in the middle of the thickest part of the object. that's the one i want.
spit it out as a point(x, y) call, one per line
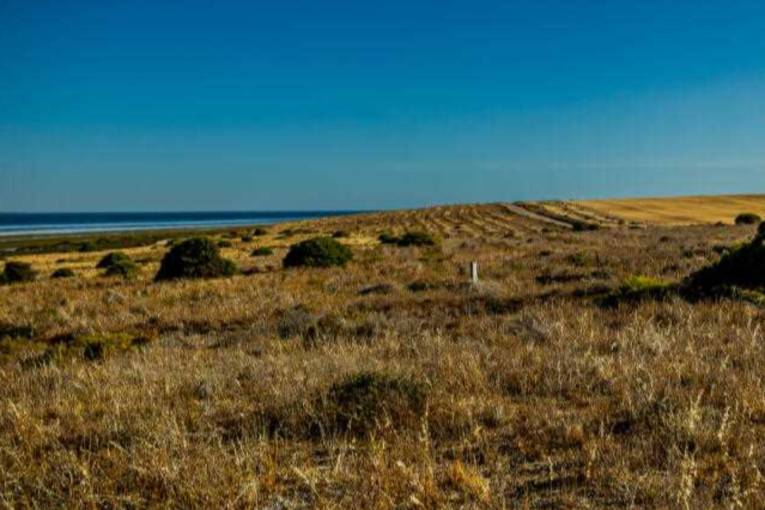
point(679, 210)
point(392, 382)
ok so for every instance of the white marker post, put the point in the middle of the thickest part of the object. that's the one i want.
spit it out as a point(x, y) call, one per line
point(474, 272)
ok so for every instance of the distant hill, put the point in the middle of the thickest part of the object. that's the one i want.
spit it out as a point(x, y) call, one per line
point(677, 210)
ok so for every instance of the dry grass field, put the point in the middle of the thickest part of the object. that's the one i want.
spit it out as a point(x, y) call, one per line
point(392, 382)
point(678, 210)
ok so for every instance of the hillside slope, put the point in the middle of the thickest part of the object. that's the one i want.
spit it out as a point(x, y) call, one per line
point(677, 210)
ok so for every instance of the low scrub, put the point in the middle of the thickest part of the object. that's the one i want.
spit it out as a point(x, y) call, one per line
point(112, 259)
point(195, 258)
point(318, 252)
point(122, 269)
point(416, 239)
point(408, 239)
point(17, 272)
point(11, 331)
point(636, 289)
point(371, 402)
point(98, 346)
point(262, 251)
point(63, 272)
point(583, 226)
point(742, 267)
point(748, 219)
point(387, 238)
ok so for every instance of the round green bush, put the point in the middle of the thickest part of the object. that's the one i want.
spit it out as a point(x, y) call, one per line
point(124, 268)
point(198, 257)
point(259, 231)
point(318, 252)
point(64, 272)
point(748, 219)
point(111, 259)
point(262, 251)
point(17, 272)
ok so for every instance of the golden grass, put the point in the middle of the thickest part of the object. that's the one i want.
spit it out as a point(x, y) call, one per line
point(679, 210)
point(534, 397)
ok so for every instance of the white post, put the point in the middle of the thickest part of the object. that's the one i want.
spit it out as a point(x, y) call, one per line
point(474, 272)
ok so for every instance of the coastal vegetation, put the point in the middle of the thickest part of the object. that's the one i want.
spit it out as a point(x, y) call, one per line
point(198, 257)
point(610, 368)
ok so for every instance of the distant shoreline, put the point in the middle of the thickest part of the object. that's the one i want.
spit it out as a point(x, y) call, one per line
point(35, 225)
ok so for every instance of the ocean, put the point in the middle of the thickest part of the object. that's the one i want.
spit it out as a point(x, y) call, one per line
point(13, 224)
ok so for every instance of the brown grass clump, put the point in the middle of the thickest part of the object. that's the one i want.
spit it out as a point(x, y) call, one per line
point(340, 387)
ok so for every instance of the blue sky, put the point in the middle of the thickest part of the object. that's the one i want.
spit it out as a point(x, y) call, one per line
point(234, 105)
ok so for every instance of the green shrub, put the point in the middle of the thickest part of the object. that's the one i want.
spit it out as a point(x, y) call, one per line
point(124, 268)
point(761, 230)
point(194, 258)
point(87, 247)
point(63, 272)
point(225, 244)
point(743, 266)
point(247, 239)
point(113, 258)
point(748, 219)
point(387, 238)
point(318, 252)
point(17, 272)
point(416, 239)
point(262, 251)
point(340, 234)
point(583, 226)
point(367, 402)
point(639, 288)
point(259, 231)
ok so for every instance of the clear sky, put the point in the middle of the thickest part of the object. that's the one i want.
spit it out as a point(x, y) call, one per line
point(286, 104)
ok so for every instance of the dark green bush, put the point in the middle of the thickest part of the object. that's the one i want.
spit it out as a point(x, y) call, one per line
point(63, 272)
point(340, 234)
point(195, 258)
point(367, 402)
point(761, 230)
point(17, 272)
point(583, 226)
point(416, 239)
point(247, 239)
point(743, 266)
point(113, 258)
point(318, 252)
point(259, 231)
point(748, 219)
point(124, 268)
point(387, 238)
point(262, 251)
point(225, 244)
